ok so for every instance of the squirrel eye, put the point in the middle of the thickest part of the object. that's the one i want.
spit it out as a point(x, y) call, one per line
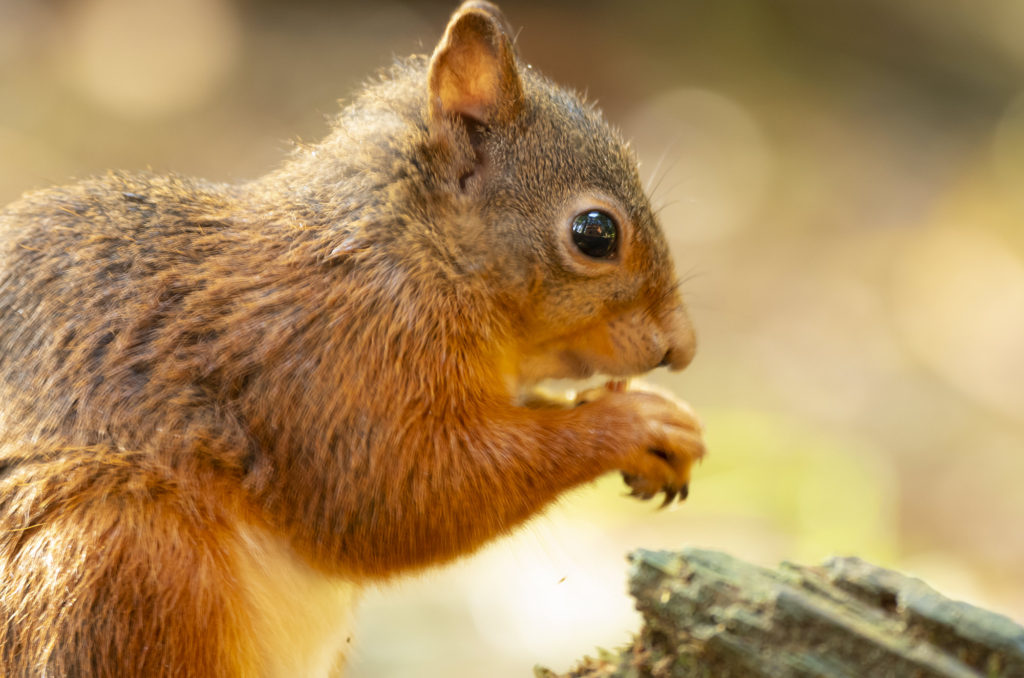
point(595, 233)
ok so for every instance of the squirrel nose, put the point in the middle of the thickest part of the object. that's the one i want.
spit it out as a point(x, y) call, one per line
point(682, 342)
point(678, 357)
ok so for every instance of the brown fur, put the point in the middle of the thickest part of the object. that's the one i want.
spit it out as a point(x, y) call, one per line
point(329, 357)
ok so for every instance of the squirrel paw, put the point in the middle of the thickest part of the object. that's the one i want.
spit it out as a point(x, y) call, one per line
point(668, 441)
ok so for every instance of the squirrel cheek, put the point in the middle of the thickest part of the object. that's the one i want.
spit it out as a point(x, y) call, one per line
point(624, 345)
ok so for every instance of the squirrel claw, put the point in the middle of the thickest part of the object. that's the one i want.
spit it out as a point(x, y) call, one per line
point(640, 494)
point(634, 491)
point(673, 493)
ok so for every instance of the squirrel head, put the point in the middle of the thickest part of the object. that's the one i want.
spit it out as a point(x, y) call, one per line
point(550, 211)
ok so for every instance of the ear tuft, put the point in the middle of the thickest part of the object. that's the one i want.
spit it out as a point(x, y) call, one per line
point(473, 69)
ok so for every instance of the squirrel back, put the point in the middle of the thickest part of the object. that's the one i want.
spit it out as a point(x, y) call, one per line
point(219, 399)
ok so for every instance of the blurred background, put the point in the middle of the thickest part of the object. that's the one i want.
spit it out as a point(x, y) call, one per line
point(842, 182)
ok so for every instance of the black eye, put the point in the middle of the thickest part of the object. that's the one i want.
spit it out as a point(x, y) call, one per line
point(595, 234)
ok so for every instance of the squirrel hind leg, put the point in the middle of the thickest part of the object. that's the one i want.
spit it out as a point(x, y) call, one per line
point(108, 569)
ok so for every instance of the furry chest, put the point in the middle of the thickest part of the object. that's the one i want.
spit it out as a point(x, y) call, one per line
point(301, 617)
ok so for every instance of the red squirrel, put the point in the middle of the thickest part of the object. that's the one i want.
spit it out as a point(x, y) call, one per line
point(225, 408)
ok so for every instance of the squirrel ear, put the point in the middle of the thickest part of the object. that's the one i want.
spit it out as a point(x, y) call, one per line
point(473, 69)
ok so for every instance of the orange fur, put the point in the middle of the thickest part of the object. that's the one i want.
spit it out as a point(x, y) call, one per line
point(223, 406)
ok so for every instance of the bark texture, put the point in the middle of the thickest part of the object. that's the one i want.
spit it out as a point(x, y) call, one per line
point(709, 615)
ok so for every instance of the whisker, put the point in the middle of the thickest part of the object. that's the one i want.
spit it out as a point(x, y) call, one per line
point(657, 168)
point(665, 172)
point(664, 205)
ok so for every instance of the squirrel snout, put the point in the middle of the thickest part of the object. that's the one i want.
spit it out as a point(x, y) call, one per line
point(682, 342)
point(678, 357)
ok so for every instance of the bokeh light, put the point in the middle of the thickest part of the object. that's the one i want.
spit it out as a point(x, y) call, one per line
point(959, 303)
point(140, 58)
point(709, 162)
